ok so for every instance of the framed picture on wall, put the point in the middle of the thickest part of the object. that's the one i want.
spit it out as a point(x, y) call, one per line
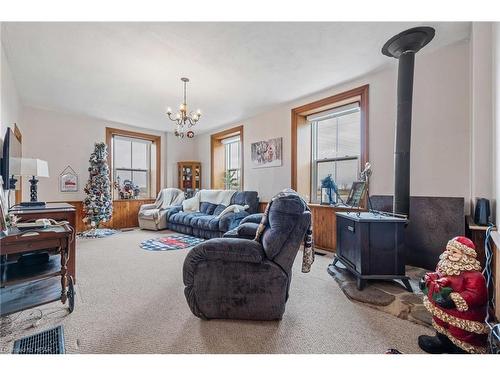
point(68, 180)
point(267, 153)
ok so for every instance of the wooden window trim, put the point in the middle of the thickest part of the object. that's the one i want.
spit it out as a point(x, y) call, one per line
point(156, 139)
point(299, 114)
point(217, 137)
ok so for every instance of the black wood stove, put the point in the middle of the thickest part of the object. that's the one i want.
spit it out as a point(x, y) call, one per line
point(370, 246)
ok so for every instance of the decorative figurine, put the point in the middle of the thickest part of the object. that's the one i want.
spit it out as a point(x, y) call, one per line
point(328, 185)
point(457, 297)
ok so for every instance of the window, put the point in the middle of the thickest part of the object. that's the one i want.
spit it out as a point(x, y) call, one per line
point(336, 148)
point(134, 161)
point(329, 136)
point(132, 164)
point(231, 162)
point(226, 161)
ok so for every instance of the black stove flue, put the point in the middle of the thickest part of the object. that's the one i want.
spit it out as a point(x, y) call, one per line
point(403, 47)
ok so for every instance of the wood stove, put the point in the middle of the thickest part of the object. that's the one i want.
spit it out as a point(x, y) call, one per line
point(370, 246)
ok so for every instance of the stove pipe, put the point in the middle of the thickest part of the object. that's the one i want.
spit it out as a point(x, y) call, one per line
point(403, 47)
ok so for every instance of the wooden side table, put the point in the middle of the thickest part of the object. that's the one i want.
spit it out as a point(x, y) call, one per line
point(57, 211)
point(24, 287)
point(477, 233)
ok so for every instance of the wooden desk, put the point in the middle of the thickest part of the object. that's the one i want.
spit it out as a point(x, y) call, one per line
point(24, 287)
point(57, 211)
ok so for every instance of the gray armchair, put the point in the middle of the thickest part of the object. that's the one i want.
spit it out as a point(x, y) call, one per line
point(236, 278)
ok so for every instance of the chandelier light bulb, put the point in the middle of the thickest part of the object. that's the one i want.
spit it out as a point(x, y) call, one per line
point(169, 111)
point(198, 112)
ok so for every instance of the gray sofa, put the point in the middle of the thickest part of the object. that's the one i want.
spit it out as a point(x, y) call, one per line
point(236, 278)
point(206, 223)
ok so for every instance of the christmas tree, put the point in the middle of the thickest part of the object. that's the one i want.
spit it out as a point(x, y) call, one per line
point(98, 205)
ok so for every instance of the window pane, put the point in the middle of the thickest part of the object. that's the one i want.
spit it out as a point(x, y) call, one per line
point(349, 135)
point(122, 153)
point(327, 139)
point(121, 176)
point(141, 179)
point(234, 156)
point(346, 173)
point(139, 155)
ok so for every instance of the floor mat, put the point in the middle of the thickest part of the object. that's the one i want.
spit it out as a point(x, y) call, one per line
point(172, 242)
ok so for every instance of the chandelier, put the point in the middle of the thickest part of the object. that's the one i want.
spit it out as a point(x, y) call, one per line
point(184, 119)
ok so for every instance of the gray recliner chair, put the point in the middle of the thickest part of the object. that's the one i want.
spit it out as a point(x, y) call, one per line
point(236, 278)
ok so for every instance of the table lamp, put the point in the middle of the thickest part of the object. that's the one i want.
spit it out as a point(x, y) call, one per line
point(34, 168)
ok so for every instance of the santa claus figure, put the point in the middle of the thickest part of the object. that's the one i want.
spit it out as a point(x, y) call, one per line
point(457, 297)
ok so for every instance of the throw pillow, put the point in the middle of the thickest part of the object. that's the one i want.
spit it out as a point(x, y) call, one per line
point(191, 204)
point(207, 208)
point(233, 208)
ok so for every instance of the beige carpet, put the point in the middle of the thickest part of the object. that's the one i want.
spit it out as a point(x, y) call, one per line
point(131, 301)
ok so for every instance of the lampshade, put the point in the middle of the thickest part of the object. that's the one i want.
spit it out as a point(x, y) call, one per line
point(34, 167)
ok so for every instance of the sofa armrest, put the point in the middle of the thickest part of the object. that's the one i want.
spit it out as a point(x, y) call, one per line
point(231, 220)
point(148, 206)
point(225, 249)
point(253, 218)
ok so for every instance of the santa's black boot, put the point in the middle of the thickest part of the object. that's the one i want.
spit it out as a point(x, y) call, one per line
point(439, 344)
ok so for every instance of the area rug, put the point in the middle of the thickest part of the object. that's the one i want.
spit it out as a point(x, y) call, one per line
point(172, 242)
point(98, 233)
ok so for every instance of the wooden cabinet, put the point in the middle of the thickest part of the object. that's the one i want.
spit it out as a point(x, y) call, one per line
point(324, 223)
point(189, 175)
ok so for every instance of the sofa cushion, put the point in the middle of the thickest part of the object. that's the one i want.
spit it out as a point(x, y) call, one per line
point(184, 217)
point(206, 222)
point(207, 208)
point(218, 210)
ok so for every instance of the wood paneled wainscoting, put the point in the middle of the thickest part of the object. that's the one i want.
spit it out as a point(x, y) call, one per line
point(124, 213)
point(324, 223)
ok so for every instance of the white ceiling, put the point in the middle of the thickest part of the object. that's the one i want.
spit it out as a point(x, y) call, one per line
point(130, 72)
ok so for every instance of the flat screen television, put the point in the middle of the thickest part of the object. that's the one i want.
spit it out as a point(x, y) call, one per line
point(11, 158)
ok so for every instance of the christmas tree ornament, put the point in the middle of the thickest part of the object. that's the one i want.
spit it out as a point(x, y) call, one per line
point(457, 297)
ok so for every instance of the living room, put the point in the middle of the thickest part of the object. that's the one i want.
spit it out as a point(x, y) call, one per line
point(161, 195)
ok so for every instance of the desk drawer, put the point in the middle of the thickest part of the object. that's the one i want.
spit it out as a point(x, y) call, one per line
point(30, 245)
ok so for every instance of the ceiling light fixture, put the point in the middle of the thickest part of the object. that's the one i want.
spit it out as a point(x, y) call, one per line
point(183, 118)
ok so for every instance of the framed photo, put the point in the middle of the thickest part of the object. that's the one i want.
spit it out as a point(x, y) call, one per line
point(357, 193)
point(267, 153)
point(68, 180)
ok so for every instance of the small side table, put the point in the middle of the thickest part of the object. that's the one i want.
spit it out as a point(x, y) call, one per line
point(477, 233)
point(26, 287)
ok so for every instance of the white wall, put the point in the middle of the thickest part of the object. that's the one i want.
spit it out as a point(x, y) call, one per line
point(481, 111)
point(440, 132)
point(67, 139)
point(496, 113)
point(10, 104)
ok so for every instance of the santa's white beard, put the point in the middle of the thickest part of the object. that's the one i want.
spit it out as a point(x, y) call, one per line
point(450, 267)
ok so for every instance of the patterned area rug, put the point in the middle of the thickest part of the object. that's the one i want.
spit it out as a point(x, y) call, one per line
point(172, 242)
point(98, 233)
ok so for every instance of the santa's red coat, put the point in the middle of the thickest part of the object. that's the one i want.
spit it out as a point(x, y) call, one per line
point(466, 329)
